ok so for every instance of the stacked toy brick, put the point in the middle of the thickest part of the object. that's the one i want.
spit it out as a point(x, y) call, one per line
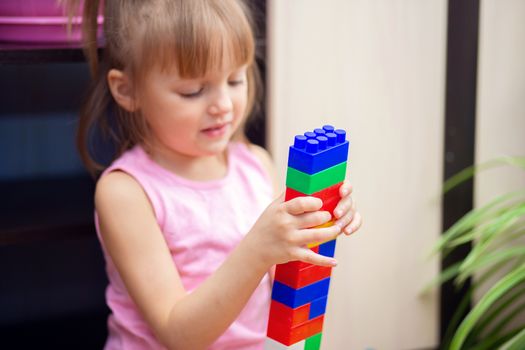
point(316, 167)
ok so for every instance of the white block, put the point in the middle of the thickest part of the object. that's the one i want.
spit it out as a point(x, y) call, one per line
point(271, 344)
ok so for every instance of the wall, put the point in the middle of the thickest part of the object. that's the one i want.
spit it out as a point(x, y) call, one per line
point(377, 69)
point(500, 126)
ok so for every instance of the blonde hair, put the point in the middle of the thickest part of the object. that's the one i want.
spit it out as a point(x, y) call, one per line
point(139, 34)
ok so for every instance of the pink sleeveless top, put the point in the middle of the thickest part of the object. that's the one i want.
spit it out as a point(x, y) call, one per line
point(201, 222)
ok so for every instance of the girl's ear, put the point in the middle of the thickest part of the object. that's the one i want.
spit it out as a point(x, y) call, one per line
point(122, 90)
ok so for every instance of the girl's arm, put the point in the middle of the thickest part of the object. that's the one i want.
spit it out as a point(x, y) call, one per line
point(194, 320)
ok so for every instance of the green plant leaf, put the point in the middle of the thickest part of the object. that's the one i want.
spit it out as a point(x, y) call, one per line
point(490, 259)
point(516, 310)
point(516, 343)
point(467, 173)
point(446, 275)
point(493, 230)
point(501, 287)
point(473, 219)
point(456, 318)
point(499, 308)
point(485, 227)
point(494, 341)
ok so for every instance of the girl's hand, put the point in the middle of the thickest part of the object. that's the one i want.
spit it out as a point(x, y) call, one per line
point(284, 229)
point(347, 218)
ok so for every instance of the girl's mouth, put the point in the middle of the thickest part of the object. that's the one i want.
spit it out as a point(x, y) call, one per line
point(216, 131)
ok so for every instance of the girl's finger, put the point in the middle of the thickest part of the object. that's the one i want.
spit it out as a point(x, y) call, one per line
point(312, 219)
point(302, 205)
point(343, 206)
point(354, 225)
point(313, 235)
point(309, 256)
point(345, 189)
point(345, 220)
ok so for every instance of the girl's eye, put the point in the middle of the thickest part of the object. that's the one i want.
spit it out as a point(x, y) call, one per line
point(191, 94)
point(236, 82)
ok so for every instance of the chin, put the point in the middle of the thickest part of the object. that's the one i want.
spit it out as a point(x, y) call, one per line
point(215, 149)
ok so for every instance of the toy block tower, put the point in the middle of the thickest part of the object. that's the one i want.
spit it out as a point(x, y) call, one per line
point(316, 167)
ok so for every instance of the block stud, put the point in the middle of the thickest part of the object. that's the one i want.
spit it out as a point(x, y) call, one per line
point(319, 132)
point(328, 128)
point(323, 141)
point(332, 139)
point(312, 146)
point(341, 135)
point(300, 141)
point(310, 135)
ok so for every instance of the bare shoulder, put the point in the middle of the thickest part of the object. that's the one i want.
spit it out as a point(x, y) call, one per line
point(267, 162)
point(117, 188)
point(263, 155)
point(120, 201)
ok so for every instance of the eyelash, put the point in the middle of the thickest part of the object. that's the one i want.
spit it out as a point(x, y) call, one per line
point(198, 93)
point(193, 94)
point(236, 82)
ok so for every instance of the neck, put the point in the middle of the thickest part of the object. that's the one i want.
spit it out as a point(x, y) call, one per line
point(196, 168)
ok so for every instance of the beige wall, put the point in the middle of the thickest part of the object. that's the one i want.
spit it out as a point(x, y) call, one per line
point(375, 68)
point(501, 95)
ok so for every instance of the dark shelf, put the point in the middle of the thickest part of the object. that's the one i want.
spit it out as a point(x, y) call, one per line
point(32, 234)
point(46, 209)
point(31, 54)
point(76, 331)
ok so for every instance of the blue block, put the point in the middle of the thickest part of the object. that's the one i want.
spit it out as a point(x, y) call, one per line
point(297, 297)
point(317, 307)
point(318, 150)
point(327, 249)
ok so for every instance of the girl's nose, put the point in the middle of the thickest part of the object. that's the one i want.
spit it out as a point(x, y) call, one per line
point(222, 103)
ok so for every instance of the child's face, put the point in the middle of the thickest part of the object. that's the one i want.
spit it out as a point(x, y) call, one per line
point(194, 117)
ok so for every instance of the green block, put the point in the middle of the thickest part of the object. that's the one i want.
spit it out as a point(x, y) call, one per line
point(308, 184)
point(314, 342)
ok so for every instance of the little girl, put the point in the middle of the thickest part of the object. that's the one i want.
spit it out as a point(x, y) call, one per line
point(185, 213)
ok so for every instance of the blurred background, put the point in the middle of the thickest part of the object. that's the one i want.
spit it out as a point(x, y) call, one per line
point(424, 89)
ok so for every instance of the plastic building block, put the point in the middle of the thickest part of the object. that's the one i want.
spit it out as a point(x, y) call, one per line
point(289, 336)
point(314, 342)
point(297, 297)
point(317, 307)
point(271, 344)
point(316, 167)
point(330, 196)
point(287, 316)
point(327, 249)
point(303, 276)
point(311, 343)
point(309, 184)
point(318, 150)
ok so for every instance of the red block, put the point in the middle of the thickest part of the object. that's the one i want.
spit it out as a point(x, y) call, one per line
point(330, 196)
point(287, 316)
point(298, 277)
point(288, 336)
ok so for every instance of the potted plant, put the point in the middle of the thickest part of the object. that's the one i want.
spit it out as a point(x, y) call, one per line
point(494, 231)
